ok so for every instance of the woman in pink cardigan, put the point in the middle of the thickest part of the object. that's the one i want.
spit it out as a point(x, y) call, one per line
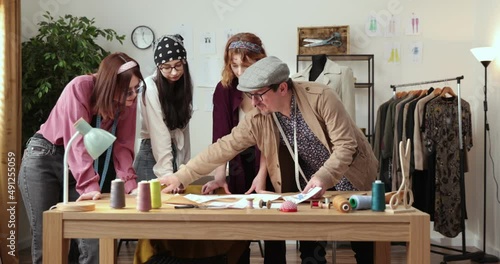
point(106, 99)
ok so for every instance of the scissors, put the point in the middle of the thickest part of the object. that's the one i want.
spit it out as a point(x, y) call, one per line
point(334, 40)
point(404, 189)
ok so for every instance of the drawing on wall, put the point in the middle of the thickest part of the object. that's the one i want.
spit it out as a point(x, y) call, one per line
point(229, 32)
point(372, 27)
point(392, 52)
point(186, 31)
point(209, 68)
point(416, 49)
point(392, 27)
point(207, 43)
point(413, 25)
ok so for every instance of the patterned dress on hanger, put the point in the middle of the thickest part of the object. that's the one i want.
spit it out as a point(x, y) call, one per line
point(441, 129)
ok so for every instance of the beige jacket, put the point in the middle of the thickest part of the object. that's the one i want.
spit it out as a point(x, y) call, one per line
point(339, 78)
point(351, 154)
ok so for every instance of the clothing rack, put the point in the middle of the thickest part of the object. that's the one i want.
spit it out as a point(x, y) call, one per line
point(464, 254)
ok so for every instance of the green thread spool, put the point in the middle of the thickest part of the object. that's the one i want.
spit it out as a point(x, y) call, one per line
point(155, 193)
point(378, 196)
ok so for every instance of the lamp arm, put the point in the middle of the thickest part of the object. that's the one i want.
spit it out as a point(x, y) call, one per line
point(66, 167)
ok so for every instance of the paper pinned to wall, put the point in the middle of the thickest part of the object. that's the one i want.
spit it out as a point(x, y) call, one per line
point(209, 71)
point(207, 43)
point(229, 32)
point(186, 31)
point(416, 49)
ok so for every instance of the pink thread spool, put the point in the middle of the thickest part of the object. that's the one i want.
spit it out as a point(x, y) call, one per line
point(249, 203)
point(143, 197)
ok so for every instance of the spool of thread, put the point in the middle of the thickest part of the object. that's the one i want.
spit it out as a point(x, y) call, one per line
point(117, 195)
point(378, 196)
point(320, 205)
point(341, 204)
point(360, 202)
point(155, 188)
point(263, 203)
point(314, 204)
point(250, 203)
point(328, 199)
point(143, 197)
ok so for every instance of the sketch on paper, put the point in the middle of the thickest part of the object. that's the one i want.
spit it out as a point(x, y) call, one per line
point(413, 26)
point(392, 27)
point(372, 26)
point(416, 49)
point(392, 52)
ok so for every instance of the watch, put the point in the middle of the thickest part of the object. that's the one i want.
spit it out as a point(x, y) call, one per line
point(142, 37)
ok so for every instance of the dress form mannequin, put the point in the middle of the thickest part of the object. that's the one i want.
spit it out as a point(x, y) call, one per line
point(318, 64)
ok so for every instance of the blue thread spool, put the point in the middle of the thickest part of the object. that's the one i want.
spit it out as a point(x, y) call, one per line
point(378, 196)
point(360, 202)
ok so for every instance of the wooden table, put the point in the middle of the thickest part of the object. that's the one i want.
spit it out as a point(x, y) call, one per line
point(109, 224)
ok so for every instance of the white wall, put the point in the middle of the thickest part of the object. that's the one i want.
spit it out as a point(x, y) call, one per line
point(449, 30)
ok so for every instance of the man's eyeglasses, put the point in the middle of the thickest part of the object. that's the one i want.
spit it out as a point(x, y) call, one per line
point(168, 69)
point(257, 95)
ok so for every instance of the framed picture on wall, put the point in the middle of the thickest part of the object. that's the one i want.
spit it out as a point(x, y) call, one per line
point(330, 40)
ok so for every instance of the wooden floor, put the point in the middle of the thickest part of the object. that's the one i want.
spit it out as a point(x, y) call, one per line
point(344, 255)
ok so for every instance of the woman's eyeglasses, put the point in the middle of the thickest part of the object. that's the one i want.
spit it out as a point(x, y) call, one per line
point(135, 91)
point(165, 68)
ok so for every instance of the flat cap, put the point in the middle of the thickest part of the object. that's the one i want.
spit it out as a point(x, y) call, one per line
point(265, 72)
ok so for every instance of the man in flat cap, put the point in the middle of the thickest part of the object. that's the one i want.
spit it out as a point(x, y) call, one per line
point(331, 151)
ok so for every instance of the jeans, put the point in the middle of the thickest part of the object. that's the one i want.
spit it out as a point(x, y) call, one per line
point(41, 185)
point(144, 162)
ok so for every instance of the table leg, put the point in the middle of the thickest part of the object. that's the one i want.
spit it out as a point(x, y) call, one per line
point(55, 246)
point(419, 246)
point(107, 251)
point(382, 252)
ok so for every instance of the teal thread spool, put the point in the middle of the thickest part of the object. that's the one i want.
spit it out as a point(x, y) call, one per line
point(378, 196)
point(360, 202)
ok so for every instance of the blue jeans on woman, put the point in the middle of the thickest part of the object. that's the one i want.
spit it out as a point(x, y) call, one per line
point(41, 185)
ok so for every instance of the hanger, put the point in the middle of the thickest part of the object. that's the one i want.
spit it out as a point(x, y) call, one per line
point(401, 94)
point(447, 91)
point(437, 91)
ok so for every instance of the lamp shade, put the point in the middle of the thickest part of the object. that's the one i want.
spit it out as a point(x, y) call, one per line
point(484, 53)
point(96, 140)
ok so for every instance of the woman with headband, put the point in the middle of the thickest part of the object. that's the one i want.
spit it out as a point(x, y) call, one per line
point(247, 171)
point(230, 105)
point(106, 99)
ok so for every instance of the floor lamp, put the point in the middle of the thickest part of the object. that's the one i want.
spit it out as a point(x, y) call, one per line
point(96, 141)
point(485, 55)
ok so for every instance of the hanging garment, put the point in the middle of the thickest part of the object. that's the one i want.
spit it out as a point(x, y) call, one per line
point(338, 77)
point(442, 138)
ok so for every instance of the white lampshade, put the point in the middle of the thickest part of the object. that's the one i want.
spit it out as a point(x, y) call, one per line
point(96, 141)
point(484, 53)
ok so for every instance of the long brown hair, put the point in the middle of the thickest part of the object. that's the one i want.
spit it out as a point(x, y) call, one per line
point(109, 83)
point(247, 56)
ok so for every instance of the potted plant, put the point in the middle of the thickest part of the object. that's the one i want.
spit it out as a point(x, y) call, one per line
point(62, 49)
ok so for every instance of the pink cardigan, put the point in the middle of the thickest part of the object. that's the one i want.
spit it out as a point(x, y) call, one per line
point(72, 105)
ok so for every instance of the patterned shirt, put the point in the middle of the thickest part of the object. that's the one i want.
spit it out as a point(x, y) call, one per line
point(312, 154)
